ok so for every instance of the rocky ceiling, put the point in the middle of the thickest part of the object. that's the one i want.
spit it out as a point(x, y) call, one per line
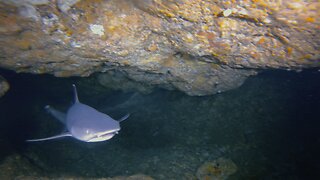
point(200, 47)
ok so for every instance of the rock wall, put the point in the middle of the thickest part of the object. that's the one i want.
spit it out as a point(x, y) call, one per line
point(4, 86)
point(200, 47)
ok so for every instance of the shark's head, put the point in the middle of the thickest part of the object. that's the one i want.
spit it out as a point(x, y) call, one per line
point(89, 125)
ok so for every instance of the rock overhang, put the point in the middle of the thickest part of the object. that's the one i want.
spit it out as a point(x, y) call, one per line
point(198, 47)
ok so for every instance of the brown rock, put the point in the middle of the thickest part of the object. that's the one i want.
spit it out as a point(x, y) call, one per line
point(133, 177)
point(219, 169)
point(15, 166)
point(19, 168)
point(4, 86)
point(199, 47)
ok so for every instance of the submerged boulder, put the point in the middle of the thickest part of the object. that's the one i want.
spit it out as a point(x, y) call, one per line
point(133, 177)
point(20, 167)
point(4, 86)
point(219, 169)
point(198, 47)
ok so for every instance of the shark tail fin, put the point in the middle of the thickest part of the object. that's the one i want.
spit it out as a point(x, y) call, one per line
point(55, 113)
point(49, 138)
point(76, 99)
point(124, 118)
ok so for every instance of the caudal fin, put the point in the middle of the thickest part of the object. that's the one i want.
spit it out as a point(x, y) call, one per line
point(57, 114)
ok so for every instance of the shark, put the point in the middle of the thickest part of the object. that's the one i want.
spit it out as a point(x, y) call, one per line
point(84, 123)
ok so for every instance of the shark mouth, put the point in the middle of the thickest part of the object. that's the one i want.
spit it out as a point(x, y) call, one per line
point(103, 136)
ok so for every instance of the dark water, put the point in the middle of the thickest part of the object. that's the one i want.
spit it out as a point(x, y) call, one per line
point(269, 127)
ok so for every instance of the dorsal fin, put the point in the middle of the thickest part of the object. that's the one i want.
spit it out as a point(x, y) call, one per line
point(75, 93)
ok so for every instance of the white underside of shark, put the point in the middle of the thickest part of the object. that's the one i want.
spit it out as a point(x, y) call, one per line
point(85, 123)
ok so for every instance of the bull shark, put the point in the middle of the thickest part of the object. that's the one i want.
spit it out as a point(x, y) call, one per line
point(84, 123)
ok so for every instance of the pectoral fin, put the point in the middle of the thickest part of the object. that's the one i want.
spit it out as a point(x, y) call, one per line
point(49, 138)
point(124, 118)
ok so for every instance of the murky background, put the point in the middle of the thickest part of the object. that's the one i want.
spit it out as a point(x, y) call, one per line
point(269, 128)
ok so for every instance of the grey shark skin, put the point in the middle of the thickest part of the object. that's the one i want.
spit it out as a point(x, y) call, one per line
point(85, 123)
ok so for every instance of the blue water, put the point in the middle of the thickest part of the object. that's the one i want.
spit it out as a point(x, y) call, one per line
point(269, 127)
